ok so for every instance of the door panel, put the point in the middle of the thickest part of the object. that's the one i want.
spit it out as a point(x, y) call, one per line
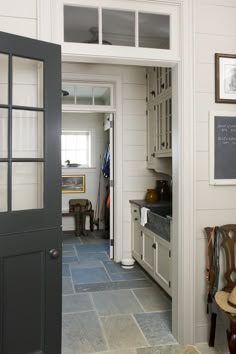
point(30, 196)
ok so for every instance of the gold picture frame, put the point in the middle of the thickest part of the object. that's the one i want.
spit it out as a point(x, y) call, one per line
point(73, 184)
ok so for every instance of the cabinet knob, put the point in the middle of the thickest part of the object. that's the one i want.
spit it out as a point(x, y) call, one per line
point(135, 219)
point(135, 210)
point(154, 246)
point(163, 144)
point(153, 154)
point(153, 93)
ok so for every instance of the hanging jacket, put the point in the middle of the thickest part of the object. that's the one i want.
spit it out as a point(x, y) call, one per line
point(106, 162)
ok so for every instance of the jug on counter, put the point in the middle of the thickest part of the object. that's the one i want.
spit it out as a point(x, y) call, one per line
point(163, 190)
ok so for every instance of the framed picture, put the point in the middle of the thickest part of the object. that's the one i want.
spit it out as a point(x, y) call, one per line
point(73, 184)
point(222, 148)
point(225, 78)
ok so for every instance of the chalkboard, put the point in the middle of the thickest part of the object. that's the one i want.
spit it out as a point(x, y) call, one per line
point(224, 141)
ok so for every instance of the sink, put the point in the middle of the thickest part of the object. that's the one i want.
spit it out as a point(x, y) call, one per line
point(157, 220)
point(161, 210)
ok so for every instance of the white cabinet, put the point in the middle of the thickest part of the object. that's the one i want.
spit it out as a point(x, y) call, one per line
point(159, 114)
point(151, 251)
point(136, 234)
point(162, 271)
point(148, 254)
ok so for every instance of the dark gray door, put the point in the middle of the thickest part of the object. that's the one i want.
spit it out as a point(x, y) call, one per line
point(30, 196)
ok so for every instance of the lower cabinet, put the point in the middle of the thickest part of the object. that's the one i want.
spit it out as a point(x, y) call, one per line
point(151, 251)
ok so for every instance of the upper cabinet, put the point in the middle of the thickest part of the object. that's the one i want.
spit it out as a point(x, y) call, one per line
point(159, 114)
point(146, 30)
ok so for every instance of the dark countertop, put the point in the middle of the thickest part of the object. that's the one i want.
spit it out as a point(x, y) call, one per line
point(143, 203)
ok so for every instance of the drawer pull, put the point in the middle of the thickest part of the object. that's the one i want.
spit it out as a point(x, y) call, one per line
point(135, 219)
point(135, 210)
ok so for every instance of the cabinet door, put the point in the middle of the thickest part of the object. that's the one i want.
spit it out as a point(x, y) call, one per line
point(151, 84)
point(151, 136)
point(164, 127)
point(136, 235)
point(162, 265)
point(148, 257)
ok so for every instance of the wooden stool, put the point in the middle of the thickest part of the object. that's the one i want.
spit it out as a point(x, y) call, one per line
point(81, 208)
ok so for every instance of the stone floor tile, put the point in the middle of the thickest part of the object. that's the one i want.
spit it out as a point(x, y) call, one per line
point(65, 270)
point(86, 264)
point(152, 299)
point(169, 349)
point(68, 247)
point(99, 256)
point(123, 351)
point(127, 275)
point(70, 253)
point(92, 248)
point(115, 302)
point(82, 334)
point(156, 327)
point(72, 259)
point(89, 275)
point(76, 303)
point(114, 285)
point(122, 332)
point(67, 287)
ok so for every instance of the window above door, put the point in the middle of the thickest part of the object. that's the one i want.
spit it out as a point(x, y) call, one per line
point(116, 27)
point(128, 29)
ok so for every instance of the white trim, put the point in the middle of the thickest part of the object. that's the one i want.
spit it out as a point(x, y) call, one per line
point(118, 147)
point(212, 179)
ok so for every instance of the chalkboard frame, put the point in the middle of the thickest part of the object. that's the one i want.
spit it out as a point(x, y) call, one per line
point(212, 163)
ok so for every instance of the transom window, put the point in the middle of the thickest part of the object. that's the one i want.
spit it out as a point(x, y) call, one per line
point(76, 148)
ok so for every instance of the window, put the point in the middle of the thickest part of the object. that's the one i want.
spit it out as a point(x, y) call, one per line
point(76, 148)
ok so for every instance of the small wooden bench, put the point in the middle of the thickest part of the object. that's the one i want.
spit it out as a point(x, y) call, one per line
point(79, 209)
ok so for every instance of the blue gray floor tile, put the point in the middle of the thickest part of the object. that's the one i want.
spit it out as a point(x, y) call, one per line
point(108, 309)
point(76, 303)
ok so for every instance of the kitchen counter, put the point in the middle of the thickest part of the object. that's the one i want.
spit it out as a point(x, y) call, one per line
point(142, 203)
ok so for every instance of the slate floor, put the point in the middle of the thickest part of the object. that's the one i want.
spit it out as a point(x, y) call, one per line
point(109, 310)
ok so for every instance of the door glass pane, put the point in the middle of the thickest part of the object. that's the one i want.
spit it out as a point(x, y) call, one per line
point(3, 133)
point(27, 134)
point(27, 82)
point(27, 185)
point(3, 78)
point(68, 94)
point(84, 95)
point(80, 24)
point(118, 27)
point(154, 31)
point(102, 96)
point(3, 186)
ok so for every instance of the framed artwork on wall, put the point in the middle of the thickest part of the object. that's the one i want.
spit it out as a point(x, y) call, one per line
point(73, 184)
point(225, 78)
point(222, 148)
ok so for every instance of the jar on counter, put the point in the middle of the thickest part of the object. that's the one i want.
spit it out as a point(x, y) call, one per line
point(151, 196)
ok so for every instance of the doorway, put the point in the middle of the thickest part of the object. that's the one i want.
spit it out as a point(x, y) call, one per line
point(130, 145)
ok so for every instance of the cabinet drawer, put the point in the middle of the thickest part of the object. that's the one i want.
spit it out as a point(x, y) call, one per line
point(135, 213)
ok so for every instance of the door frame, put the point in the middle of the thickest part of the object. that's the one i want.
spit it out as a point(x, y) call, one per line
point(184, 277)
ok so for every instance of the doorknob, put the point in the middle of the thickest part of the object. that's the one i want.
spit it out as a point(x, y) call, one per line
point(54, 254)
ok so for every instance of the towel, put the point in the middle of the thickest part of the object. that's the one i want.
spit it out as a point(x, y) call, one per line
point(143, 220)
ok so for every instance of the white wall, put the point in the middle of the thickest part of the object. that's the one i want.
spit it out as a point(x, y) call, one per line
point(19, 17)
point(94, 123)
point(215, 32)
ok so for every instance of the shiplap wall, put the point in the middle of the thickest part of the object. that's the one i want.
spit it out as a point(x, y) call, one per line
point(215, 32)
point(19, 17)
point(136, 178)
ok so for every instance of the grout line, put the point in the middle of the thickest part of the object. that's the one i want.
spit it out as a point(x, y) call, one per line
point(142, 307)
point(100, 322)
point(137, 324)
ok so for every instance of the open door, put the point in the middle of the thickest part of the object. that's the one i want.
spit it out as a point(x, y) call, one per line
point(111, 138)
point(30, 196)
